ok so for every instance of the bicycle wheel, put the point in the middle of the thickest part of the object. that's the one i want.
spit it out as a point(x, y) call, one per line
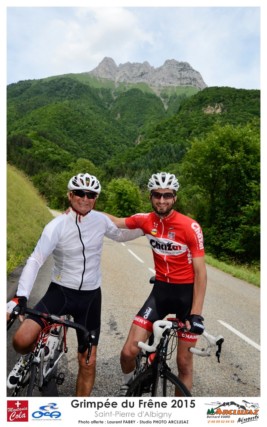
point(142, 383)
point(148, 383)
point(168, 384)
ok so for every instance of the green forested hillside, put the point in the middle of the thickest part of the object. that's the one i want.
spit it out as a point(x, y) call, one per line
point(167, 142)
point(94, 122)
point(62, 125)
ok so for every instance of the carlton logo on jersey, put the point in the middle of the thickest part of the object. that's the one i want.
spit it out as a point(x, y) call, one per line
point(166, 246)
point(198, 231)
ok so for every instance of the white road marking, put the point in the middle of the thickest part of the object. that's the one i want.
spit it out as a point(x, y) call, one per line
point(235, 331)
point(152, 270)
point(137, 257)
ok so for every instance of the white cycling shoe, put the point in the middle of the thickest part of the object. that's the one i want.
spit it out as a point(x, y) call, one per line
point(15, 374)
point(123, 390)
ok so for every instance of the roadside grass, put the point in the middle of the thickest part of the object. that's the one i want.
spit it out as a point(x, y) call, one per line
point(246, 273)
point(27, 214)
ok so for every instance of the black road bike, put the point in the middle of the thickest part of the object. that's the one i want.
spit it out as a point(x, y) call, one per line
point(153, 376)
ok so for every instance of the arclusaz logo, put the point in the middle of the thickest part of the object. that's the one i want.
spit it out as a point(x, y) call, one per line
point(241, 413)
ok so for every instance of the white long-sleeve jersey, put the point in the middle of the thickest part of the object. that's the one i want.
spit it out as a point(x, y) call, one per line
point(76, 243)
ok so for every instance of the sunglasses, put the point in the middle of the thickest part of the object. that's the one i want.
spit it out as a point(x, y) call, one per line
point(158, 195)
point(82, 194)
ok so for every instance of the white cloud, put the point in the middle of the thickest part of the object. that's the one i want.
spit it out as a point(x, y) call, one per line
point(221, 43)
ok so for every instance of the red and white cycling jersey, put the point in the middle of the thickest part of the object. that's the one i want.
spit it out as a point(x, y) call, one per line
point(174, 240)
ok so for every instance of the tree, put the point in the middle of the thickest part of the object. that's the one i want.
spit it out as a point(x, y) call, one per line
point(220, 176)
point(123, 198)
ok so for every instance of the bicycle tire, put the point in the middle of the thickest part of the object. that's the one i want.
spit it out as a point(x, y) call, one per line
point(32, 380)
point(169, 384)
point(148, 384)
point(141, 385)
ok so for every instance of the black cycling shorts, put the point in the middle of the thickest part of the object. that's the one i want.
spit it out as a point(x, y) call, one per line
point(165, 299)
point(83, 306)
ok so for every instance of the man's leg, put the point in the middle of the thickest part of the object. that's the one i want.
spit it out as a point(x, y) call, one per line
point(131, 349)
point(185, 362)
point(86, 373)
point(23, 342)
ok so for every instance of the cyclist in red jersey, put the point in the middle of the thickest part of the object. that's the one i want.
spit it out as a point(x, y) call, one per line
point(177, 244)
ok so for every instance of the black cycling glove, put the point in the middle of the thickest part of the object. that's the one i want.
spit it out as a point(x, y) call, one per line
point(18, 303)
point(196, 324)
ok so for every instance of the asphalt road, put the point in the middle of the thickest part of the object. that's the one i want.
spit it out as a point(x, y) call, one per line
point(232, 308)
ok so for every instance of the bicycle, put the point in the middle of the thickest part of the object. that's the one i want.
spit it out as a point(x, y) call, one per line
point(41, 364)
point(153, 376)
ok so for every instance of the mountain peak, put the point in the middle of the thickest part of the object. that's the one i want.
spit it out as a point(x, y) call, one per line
point(171, 73)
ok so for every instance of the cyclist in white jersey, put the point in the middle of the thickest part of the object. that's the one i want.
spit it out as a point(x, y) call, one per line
point(75, 239)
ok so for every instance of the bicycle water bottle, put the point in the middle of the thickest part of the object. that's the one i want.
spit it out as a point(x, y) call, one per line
point(52, 342)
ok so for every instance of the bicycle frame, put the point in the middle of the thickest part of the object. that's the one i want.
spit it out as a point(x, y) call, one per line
point(42, 361)
point(48, 364)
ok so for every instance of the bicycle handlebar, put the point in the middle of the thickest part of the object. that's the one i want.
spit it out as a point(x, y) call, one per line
point(211, 342)
point(50, 318)
point(159, 328)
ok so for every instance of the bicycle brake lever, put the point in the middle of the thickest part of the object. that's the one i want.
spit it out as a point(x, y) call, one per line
point(88, 354)
point(10, 322)
point(89, 350)
point(218, 352)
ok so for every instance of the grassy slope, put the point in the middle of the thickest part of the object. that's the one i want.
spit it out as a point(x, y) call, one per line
point(26, 216)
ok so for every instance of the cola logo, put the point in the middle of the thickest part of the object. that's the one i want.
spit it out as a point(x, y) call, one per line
point(17, 411)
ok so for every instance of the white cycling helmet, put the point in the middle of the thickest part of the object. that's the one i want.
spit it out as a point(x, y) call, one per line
point(163, 180)
point(84, 181)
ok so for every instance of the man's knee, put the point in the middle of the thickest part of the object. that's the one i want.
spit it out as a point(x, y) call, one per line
point(129, 351)
point(19, 344)
point(25, 336)
point(185, 363)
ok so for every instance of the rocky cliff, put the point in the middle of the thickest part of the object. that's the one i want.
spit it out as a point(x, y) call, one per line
point(171, 73)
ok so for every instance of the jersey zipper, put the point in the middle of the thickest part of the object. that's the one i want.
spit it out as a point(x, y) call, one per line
point(83, 252)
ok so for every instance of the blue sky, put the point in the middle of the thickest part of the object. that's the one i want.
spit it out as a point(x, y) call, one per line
point(222, 43)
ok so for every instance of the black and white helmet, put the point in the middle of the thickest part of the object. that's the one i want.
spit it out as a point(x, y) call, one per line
point(84, 181)
point(163, 180)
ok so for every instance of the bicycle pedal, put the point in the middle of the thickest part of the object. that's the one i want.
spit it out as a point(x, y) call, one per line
point(60, 378)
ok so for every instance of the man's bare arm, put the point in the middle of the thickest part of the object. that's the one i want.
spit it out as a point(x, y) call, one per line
point(200, 285)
